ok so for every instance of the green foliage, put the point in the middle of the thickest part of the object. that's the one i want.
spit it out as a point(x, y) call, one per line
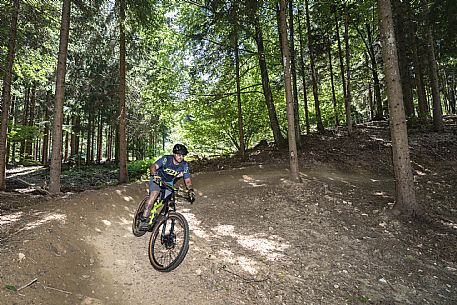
point(11, 287)
point(18, 132)
point(139, 169)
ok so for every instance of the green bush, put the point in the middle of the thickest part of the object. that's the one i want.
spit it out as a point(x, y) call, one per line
point(139, 169)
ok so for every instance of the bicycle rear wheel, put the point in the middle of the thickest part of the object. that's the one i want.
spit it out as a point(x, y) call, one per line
point(169, 242)
point(136, 218)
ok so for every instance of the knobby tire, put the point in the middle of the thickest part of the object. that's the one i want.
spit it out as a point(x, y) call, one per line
point(136, 219)
point(155, 256)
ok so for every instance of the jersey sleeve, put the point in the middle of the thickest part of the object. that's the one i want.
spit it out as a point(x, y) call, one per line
point(186, 172)
point(161, 162)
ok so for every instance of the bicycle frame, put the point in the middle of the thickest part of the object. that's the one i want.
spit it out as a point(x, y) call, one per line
point(163, 201)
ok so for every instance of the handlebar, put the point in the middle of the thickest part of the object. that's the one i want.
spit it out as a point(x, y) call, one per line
point(189, 196)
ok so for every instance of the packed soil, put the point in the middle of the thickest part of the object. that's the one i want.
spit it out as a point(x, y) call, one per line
point(256, 236)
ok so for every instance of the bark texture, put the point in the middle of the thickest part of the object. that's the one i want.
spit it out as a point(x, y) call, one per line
point(56, 155)
point(405, 202)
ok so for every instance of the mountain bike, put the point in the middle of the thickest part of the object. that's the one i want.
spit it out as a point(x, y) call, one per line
point(169, 241)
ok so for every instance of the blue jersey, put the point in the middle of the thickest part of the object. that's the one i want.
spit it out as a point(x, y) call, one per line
point(169, 171)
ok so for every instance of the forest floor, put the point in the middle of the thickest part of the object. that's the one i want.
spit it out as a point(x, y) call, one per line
point(256, 237)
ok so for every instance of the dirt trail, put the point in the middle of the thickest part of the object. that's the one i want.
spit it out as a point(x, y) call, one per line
point(256, 238)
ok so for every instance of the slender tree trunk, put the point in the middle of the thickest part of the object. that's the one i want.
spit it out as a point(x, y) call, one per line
point(56, 159)
point(433, 68)
point(92, 139)
point(99, 138)
point(288, 86)
point(66, 140)
point(370, 91)
point(405, 193)
point(294, 72)
point(45, 148)
point(25, 122)
point(31, 121)
point(422, 108)
point(89, 137)
point(123, 173)
point(242, 149)
point(279, 139)
point(320, 126)
point(73, 136)
point(374, 70)
point(340, 57)
point(348, 101)
point(110, 144)
point(13, 121)
point(335, 108)
point(400, 22)
point(77, 137)
point(303, 75)
point(6, 92)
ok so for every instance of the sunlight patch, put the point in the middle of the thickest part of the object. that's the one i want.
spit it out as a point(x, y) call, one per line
point(251, 181)
point(124, 221)
point(33, 225)
point(21, 171)
point(106, 222)
point(194, 224)
point(11, 218)
point(247, 264)
point(380, 194)
point(269, 248)
point(128, 198)
point(449, 224)
point(420, 173)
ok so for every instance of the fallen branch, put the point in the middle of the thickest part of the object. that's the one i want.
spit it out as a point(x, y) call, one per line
point(60, 290)
point(28, 284)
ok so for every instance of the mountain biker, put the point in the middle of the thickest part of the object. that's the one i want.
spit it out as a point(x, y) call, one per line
point(168, 168)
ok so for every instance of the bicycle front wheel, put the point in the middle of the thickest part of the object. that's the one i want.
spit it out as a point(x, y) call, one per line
point(169, 242)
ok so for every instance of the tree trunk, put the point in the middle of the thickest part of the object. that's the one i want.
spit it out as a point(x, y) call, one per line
point(123, 173)
point(370, 90)
point(45, 148)
point(13, 121)
point(348, 101)
point(279, 139)
point(400, 24)
point(25, 122)
point(320, 126)
point(242, 149)
point(99, 138)
point(433, 69)
point(56, 159)
point(77, 138)
point(288, 87)
point(294, 73)
point(340, 57)
point(374, 70)
point(66, 140)
point(6, 93)
point(109, 154)
point(303, 76)
point(422, 107)
point(31, 122)
point(73, 137)
point(405, 193)
point(335, 108)
point(89, 137)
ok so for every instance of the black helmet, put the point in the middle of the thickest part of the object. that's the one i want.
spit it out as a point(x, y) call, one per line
point(180, 149)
